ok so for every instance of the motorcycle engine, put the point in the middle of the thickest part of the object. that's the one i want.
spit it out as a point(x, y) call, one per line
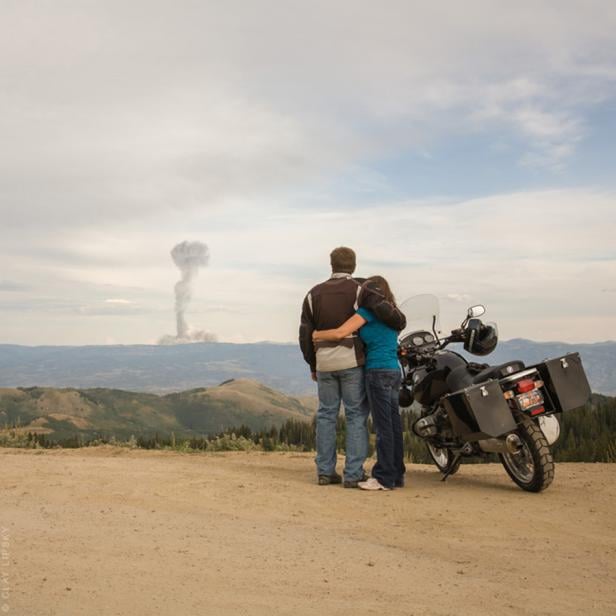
point(425, 426)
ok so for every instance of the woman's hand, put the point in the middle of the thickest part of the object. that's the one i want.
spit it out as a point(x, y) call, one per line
point(315, 336)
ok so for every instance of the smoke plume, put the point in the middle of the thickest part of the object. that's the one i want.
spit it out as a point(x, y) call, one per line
point(189, 257)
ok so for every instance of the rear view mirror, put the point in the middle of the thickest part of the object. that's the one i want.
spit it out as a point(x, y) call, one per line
point(476, 311)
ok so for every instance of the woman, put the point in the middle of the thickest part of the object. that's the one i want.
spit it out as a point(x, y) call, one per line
point(382, 386)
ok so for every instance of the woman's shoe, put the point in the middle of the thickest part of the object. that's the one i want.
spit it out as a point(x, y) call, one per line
point(372, 484)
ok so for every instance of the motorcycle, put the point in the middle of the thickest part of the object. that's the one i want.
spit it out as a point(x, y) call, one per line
point(469, 409)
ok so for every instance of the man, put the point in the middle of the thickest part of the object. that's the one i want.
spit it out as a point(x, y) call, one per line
point(337, 367)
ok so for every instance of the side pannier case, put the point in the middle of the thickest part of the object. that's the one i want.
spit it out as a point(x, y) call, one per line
point(565, 382)
point(479, 412)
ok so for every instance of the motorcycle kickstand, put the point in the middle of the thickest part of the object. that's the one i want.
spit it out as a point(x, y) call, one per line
point(455, 460)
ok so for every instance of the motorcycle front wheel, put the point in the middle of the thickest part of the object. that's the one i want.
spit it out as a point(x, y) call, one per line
point(443, 458)
point(531, 468)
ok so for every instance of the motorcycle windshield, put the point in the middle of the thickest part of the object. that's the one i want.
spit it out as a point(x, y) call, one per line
point(421, 311)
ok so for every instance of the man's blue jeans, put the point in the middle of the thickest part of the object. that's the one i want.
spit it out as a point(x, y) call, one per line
point(347, 386)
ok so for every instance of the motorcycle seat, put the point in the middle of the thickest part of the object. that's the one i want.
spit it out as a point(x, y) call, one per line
point(465, 376)
point(498, 372)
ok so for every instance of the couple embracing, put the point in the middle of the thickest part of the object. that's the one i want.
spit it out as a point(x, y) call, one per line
point(348, 335)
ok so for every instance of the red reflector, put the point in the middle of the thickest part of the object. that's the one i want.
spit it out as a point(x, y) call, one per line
point(537, 411)
point(525, 385)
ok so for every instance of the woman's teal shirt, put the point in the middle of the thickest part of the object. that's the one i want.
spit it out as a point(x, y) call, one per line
point(381, 343)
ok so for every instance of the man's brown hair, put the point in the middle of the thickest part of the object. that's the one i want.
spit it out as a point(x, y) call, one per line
point(342, 260)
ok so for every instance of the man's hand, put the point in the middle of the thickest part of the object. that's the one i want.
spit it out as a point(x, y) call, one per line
point(314, 376)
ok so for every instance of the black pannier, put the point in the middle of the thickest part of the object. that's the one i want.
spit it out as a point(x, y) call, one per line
point(565, 382)
point(479, 412)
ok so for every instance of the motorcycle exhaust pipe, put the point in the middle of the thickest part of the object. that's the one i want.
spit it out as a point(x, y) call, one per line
point(512, 444)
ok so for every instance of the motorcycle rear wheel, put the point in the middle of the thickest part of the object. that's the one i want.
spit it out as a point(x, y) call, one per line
point(443, 459)
point(532, 468)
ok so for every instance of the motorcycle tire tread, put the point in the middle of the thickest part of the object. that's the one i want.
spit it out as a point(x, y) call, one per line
point(545, 475)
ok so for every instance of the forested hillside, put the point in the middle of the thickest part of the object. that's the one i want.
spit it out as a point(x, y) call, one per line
point(588, 434)
point(102, 413)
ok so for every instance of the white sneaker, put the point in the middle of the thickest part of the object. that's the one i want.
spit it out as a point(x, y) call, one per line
point(372, 484)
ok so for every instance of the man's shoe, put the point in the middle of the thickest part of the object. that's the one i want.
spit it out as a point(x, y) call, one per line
point(325, 480)
point(371, 484)
point(353, 483)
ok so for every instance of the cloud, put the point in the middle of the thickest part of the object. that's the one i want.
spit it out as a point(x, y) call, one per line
point(268, 130)
point(129, 109)
point(11, 286)
point(463, 298)
point(550, 136)
point(46, 306)
point(528, 256)
point(119, 302)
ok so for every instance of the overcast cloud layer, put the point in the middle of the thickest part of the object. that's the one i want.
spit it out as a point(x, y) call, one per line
point(464, 149)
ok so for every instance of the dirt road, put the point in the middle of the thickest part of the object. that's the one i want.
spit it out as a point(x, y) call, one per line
point(116, 531)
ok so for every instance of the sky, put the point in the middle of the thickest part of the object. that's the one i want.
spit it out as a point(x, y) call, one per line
point(462, 149)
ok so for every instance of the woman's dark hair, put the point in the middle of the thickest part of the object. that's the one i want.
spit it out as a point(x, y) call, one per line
point(382, 286)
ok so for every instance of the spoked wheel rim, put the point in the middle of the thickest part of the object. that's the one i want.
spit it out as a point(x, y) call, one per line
point(521, 464)
point(440, 455)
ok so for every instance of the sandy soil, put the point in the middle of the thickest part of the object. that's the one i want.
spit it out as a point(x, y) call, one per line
point(113, 531)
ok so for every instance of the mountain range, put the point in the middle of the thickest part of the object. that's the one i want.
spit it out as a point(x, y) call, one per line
point(165, 369)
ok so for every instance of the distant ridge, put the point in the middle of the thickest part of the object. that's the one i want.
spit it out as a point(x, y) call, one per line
point(60, 413)
point(599, 358)
point(165, 369)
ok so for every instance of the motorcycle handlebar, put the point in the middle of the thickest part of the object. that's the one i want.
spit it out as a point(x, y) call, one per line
point(457, 335)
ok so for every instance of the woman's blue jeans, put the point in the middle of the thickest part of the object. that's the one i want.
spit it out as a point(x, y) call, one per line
point(347, 386)
point(382, 387)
